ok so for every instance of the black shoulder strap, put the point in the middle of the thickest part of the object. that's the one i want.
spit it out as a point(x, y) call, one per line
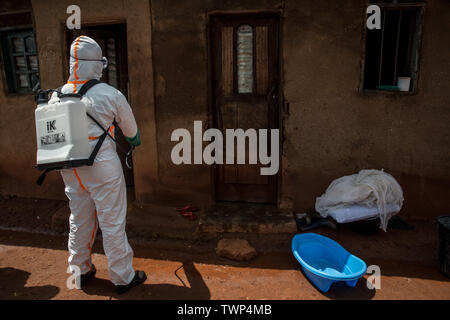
point(87, 86)
point(97, 148)
point(99, 143)
point(41, 178)
point(83, 89)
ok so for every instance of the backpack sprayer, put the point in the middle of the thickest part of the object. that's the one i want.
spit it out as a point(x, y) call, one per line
point(62, 132)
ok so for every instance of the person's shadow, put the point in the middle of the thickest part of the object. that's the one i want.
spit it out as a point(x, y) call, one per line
point(12, 286)
point(197, 290)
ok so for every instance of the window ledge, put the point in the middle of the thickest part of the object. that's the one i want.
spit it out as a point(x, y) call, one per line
point(388, 92)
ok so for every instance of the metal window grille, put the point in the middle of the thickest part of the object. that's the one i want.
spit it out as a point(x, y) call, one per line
point(21, 61)
point(392, 52)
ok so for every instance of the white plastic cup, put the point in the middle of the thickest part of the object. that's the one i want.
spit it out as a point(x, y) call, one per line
point(403, 83)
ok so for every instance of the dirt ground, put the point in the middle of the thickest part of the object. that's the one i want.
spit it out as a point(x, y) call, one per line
point(33, 266)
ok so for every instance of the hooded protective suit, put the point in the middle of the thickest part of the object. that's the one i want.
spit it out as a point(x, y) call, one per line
point(97, 193)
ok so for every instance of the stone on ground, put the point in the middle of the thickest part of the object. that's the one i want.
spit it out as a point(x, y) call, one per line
point(235, 249)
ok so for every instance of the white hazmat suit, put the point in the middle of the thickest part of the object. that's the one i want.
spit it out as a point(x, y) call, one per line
point(97, 193)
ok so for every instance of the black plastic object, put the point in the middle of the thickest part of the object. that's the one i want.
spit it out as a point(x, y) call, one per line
point(444, 244)
point(396, 222)
point(41, 97)
point(306, 222)
point(366, 227)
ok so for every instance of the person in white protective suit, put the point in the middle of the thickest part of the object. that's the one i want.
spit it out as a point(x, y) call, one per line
point(97, 193)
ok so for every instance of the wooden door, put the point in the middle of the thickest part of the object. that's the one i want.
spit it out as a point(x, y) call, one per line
point(245, 85)
point(113, 41)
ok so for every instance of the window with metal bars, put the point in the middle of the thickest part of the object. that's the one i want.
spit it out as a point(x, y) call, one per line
point(392, 52)
point(20, 60)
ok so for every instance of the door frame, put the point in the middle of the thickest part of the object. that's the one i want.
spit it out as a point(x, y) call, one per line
point(123, 83)
point(211, 111)
point(86, 23)
point(66, 48)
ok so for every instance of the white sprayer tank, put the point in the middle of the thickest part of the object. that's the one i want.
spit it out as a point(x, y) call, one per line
point(62, 133)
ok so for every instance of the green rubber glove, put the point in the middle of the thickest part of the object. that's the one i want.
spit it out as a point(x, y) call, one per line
point(135, 141)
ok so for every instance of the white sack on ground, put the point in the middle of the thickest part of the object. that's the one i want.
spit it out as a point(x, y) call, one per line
point(370, 188)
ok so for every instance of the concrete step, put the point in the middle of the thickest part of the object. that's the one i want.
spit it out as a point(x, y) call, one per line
point(245, 218)
point(153, 221)
point(148, 222)
point(254, 222)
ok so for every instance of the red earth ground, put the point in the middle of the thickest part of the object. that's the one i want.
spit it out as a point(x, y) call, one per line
point(33, 266)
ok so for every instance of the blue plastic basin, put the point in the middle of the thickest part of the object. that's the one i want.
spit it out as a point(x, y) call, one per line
point(325, 261)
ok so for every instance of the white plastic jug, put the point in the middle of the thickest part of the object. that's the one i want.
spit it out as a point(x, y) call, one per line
point(404, 83)
point(62, 133)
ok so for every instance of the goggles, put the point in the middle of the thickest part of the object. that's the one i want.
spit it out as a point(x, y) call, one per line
point(103, 60)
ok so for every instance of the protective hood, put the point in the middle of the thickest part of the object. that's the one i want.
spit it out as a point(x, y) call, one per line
point(85, 60)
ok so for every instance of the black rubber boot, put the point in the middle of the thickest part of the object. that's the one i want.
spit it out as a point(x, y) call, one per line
point(139, 277)
point(85, 278)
